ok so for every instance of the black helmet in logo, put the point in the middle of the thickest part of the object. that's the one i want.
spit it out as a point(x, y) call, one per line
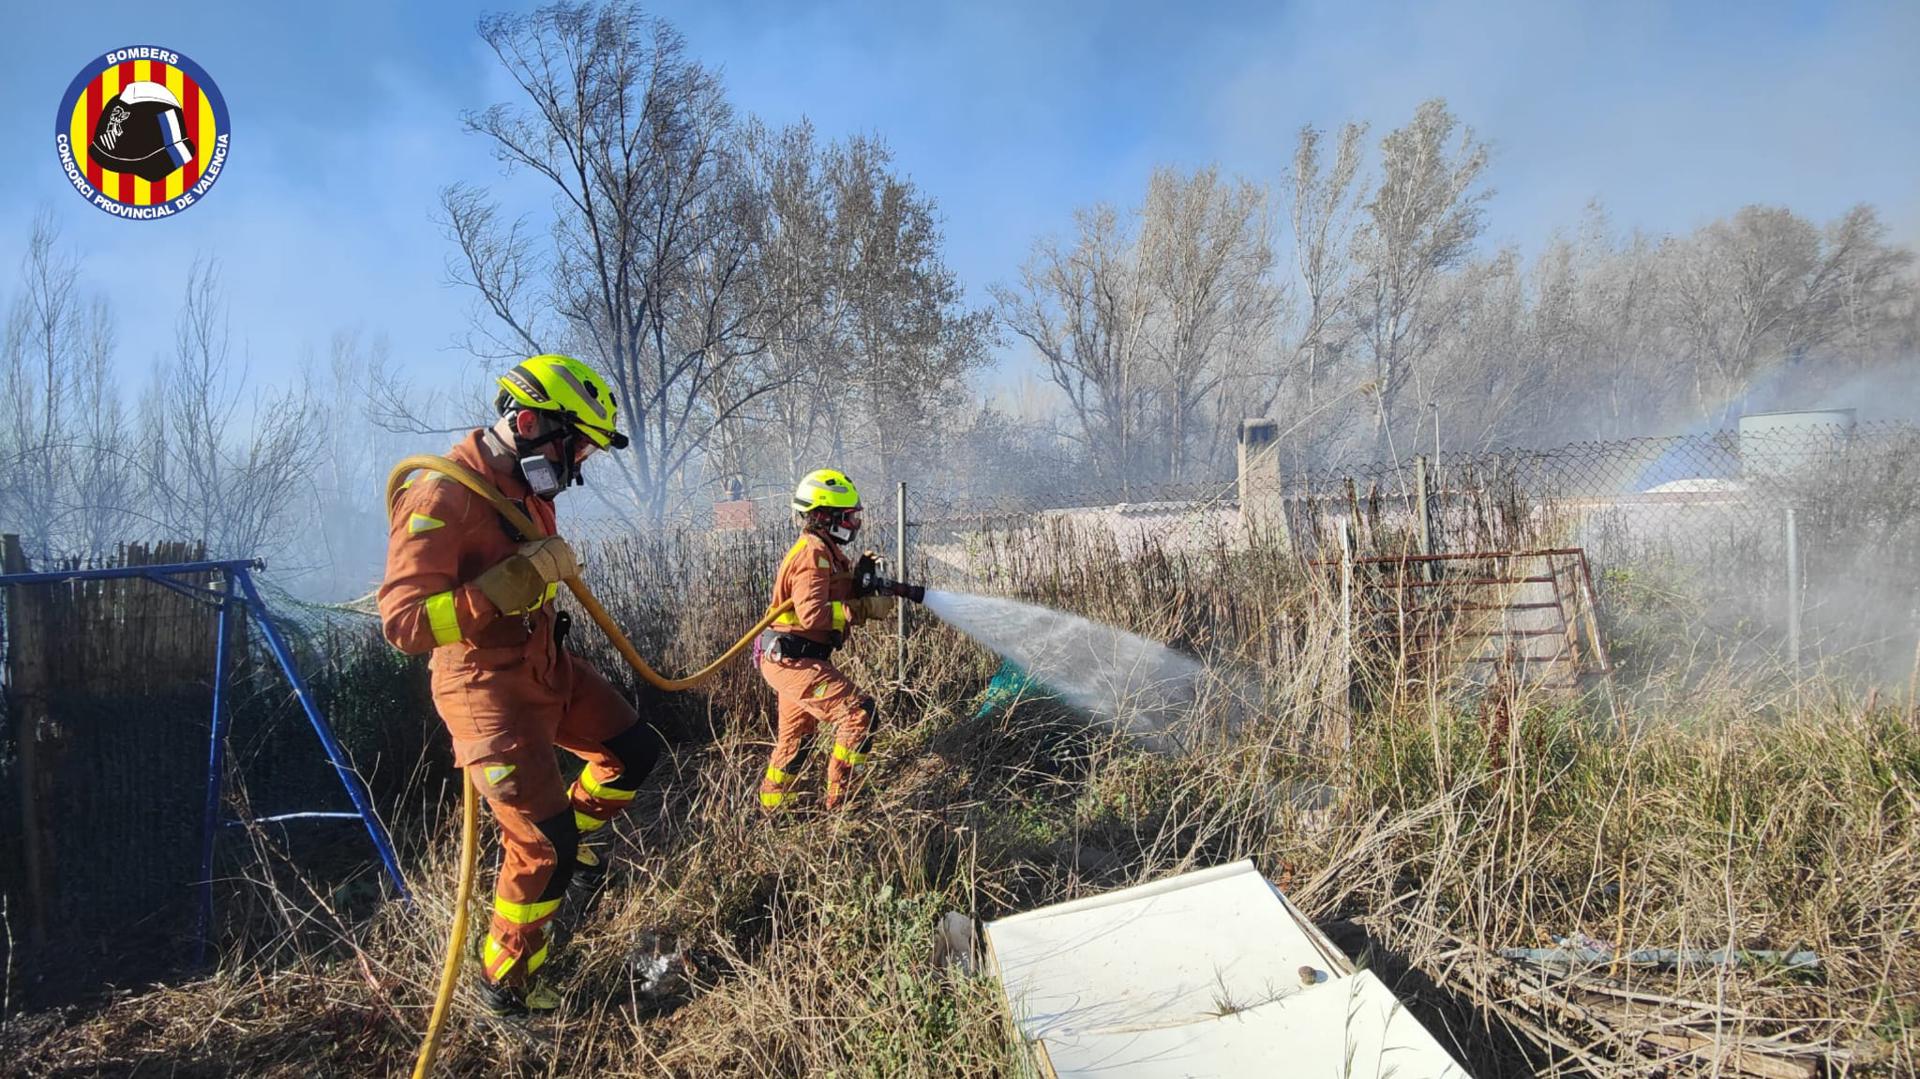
point(142, 131)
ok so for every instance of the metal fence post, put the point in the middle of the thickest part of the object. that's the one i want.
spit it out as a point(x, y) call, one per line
point(1793, 590)
point(900, 567)
point(1422, 514)
point(1346, 641)
point(216, 773)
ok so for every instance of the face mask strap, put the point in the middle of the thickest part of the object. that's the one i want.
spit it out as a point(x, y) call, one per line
point(546, 477)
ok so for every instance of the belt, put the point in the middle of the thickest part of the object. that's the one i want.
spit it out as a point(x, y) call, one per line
point(788, 646)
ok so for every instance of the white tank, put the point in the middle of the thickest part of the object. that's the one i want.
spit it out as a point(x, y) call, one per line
point(1783, 443)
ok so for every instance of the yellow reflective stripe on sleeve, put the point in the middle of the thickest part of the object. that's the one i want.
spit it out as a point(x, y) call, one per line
point(798, 546)
point(775, 775)
point(601, 790)
point(788, 618)
point(524, 913)
point(839, 615)
point(771, 798)
point(444, 619)
point(842, 753)
point(420, 522)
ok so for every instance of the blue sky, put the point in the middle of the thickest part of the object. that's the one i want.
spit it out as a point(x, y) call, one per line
point(1009, 114)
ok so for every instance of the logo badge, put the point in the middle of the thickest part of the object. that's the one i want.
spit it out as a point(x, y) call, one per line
point(142, 132)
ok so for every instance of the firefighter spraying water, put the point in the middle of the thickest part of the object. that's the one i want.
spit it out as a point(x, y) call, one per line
point(830, 596)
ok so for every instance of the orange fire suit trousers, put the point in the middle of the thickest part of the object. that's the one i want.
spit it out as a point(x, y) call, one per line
point(505, 727)
point(812, 692)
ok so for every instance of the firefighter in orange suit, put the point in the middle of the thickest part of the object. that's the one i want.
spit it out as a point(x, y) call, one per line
point(796, 653)
point(463, 584)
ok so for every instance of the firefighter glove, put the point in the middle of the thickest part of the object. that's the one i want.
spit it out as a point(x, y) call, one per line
point(519, 581)
point(864, 572)
point(873, 608)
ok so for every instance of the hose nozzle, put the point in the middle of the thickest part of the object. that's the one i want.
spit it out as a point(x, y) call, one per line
point(867, 581)
point(916, 593)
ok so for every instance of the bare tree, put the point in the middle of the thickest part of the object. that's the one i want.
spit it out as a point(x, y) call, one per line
point(66, 478)
point(1484, 372)
point(912, 340)
point(1322, 204)
point(1421, 221)
point(348, 455)
point(805, 257)
point(1086, 310)
point(218, 466)
point(1205, 257)
point(655, 232)
point(1767, 288)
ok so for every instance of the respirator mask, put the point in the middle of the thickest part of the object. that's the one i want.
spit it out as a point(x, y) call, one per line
point(545, 476)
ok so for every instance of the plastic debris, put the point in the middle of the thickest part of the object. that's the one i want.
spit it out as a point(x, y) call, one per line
point(1011, 683)
point(1580, 950)
point(956, 942)
point(660, 972)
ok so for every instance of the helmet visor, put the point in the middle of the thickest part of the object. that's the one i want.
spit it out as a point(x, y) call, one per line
point(602, 437)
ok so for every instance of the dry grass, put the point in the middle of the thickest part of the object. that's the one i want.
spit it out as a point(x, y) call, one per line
point(1737, 814)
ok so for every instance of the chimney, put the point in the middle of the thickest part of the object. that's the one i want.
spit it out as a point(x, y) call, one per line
point(734, 512)
point(1259, 474)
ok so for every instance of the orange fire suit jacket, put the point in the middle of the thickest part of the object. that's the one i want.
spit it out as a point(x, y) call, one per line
point(817, 576)
point(441, 537)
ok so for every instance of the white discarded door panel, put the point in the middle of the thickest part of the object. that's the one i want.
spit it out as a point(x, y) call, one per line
point(1196, 975)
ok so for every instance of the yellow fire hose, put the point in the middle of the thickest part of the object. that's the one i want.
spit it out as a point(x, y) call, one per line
point(470, 812)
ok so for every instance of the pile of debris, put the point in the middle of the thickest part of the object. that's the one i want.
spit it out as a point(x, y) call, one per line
point(1630, 1015)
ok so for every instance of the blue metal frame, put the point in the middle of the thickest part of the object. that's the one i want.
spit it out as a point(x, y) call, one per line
point(247, 599)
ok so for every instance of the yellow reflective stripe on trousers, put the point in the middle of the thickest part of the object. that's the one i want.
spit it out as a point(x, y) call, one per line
point(443, 618)
point(584, 824)
point(490, 953)
point(776, 776)
point(772, 798)
point(524, 913)
point(601, 790)
point(842, 753)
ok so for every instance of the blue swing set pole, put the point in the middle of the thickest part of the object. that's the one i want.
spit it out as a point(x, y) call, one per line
point(216, 765)
point(231, 605)
point(356, 790)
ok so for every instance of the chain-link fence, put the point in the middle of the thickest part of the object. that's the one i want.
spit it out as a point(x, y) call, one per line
point(1794, 538)
point(1785, 537)
point(104, 757)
